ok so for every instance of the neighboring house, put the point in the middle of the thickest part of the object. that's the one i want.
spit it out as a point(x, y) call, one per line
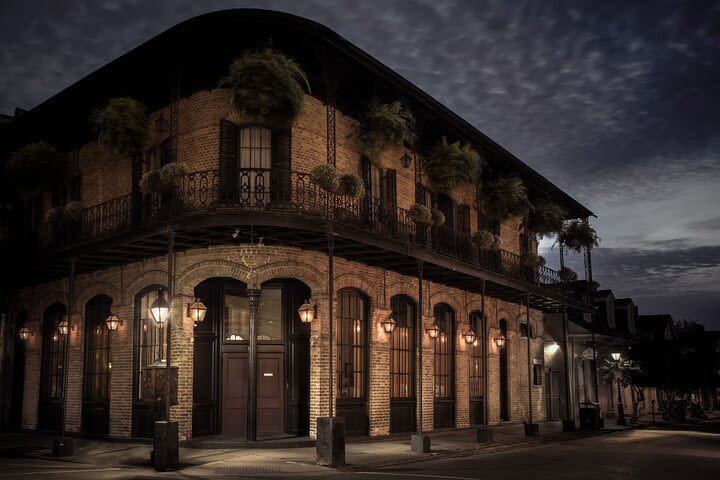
point(253, 238)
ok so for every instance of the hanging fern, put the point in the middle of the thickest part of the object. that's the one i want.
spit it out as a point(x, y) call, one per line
point(567, 274)
point(73, 211)
point(438, 217)
point(505, 197)
point(37, 166)
point(546, 219)
point(54, 216)
point(172, 174)
point(150, 182)
point(326, 177)
point(352, 186)
point(449, 164)
point(421, 214)
point(267, 85)
point(383, 125)
point(577, 235)
point(123, 126)
point(486, 240)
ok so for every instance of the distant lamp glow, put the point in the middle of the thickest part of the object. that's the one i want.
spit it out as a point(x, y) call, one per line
point(615, 356)
point(24, 333)
point(197, 311)
point(469, 337)
point(406, 160)
point(63, 327)
point(388, 324)
point(55, 337)
point(433, 330)
point(307, 312)
point(112, 322)
point(500, 341)
point(160, 309)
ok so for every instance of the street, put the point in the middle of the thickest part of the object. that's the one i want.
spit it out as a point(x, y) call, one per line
point(640, 453)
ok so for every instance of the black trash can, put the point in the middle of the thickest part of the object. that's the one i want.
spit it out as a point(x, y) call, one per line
point(589, 416)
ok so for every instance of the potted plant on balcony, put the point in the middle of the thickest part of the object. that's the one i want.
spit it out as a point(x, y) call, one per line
point(421, 214)
point(567, 274)
point(36, 167)
point(438, 218)
point(577, 235)
point(383, 125)
point(449, 164)
point(486, 240)
point(505, 197)
point(352, 186)
point(545, 219)
point(326, 177)
point(267, 86)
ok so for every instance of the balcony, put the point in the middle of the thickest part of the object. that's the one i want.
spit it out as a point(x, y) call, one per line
point(286, 193)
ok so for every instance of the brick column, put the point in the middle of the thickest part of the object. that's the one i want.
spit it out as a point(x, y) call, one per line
point(33, 350)
point(493, 377)
point(121, 373)
point(379, 374)
point(76, 357)
point(181, 355)
point(428, 346)
point(319, 363)
point(462, 378)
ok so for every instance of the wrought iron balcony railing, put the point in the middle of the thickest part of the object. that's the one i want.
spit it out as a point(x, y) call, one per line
point(285, 192)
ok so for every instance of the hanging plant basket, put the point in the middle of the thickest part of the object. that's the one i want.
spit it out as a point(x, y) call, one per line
point(486, 240)
point(578, 234)
point(171, 175)
point(438, 217)
point(567, 274)
point(267, 85)
point(37, 166)
point(73, 211)
point(326, 177)
point(384, 125)
point(123, 126)
point(505, 197)
point(449, 164)
point(546, 219)
point(421, 214)
point(532, 260)
point(150, 182)
point(54, 216)
point(352, 186)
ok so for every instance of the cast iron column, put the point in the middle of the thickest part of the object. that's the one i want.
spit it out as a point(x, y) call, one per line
point(568, 411)
point(485, 356)
point(529, 363)
point(253, 299)
point(419, 339)
point(331, 298)
point(66, 340)
point(594, 369)
point(171, 294)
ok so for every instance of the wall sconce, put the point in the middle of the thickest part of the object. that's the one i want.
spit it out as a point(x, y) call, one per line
point(197, 311)
point(24, 333)
point(112, 322)
point(500, 341)
point(307, 312)
point(388, 324)
point(469, 337)
point(433, 330)
point(64, 327)
point(406, 160)
point(160, 309)
point(615, 356)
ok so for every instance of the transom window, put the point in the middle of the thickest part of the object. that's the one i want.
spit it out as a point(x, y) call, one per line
point(444, 349)
point(476, 355)
point(352, 345)
point(402, 346)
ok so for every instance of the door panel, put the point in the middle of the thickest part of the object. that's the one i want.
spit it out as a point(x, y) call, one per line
point(234, 388)
point(270, 393)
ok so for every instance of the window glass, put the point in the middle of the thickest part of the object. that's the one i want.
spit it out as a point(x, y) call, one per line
point(236, 318)
point(151, 349)
point(270, 314)
point(476, 356)
point(352, 345)
point(54, 353)
point(402, 346)
point(444, 352)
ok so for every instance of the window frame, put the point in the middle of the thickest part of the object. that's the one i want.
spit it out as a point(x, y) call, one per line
point(352, 342)
point(402, 349)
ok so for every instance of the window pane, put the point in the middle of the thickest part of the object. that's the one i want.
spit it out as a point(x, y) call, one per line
point(236, 318)
point(270, 314)
point(352, 345)
point(152, 338)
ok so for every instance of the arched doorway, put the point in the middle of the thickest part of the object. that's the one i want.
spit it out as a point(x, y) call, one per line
point(477, 352)
point(402, 365)
point(352, 341)
point(504, 409)
point(52, 382)
point(96, 378)
point(221, 344)
point(13, 385)
point(444, 367)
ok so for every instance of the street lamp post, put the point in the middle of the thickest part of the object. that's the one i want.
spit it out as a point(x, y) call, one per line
point(620, 406)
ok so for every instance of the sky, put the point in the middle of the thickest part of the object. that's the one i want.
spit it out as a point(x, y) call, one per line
point(616, 102)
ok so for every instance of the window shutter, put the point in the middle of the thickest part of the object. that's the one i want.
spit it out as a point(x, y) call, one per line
point(76, 188)
point(281, 164)
point(165, 153)
point(463, 212)
point(228, 160)
point(391, 188)
point(365, 174)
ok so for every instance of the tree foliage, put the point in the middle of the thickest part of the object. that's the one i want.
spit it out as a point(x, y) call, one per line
point(123, 126)
point(37, 166)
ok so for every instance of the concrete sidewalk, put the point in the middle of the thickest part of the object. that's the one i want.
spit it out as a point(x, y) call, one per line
point(360, 453)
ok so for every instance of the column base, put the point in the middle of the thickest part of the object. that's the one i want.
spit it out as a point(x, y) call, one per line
point(568, 425)
point(532, 429)
point(419, 444)
point(330, 441)
point(166, 451)
point(484, 435)
point(62, 447)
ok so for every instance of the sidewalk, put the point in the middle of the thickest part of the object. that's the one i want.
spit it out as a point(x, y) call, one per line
point(360, 453)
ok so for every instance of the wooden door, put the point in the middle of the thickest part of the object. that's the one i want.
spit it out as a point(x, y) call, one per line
point(234, 393)
point(96, 399)
point(270, 408)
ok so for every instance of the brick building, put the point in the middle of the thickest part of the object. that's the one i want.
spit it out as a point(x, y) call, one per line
point(255, 247)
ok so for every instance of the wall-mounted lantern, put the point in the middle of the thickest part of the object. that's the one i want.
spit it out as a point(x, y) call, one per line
point(469, 337)
point(500, 341)
point(307, 312)
point(197, 311)
point(24, 333)
point(160, 309)
point(433, 330)
point(112, 322)
point(615, 356)
point(388, 324)
point(63, 327)
point(406, 160)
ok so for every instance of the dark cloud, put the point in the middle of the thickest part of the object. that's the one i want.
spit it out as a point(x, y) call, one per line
point(709, 224)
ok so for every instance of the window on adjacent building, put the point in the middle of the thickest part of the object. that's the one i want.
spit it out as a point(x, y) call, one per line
point(402, 347)
point(352, 345)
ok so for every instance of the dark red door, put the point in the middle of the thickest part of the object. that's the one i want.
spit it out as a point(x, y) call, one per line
point(234, 393)
point(270, 412)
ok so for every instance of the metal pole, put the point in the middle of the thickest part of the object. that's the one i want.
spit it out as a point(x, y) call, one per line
point(567, 366)
point(171, 294)
point(253, 300)
point(419, 338)
point(529, 363)
point(485, 340)
point(66, 341)
point(594, 369)
point(331, 298)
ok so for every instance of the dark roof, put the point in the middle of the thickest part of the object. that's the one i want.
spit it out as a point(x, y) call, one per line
point(194, 54)
point(655, 324)
point(602, 294)
point(623, 302)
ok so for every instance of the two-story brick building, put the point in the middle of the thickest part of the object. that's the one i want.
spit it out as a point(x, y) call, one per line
point(251, 235)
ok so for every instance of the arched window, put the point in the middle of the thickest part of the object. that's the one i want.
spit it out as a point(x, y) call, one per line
point(476, 355)
point(524, 331)
point(444, 371)
point(95, 411)
point(52, 385)
point(504, 406)
point(402, 348)
point(352, 345)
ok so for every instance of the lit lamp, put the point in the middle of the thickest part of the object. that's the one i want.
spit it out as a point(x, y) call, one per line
point(469, 337)
point(615, 356)
point(433, 330)
point(197, 311)
point(388, 324)
point(500, 341)
point(24, 333)
point(406, 160)
point(307, 312)
point(112, 322)
point(160, 309)
point(63, 327)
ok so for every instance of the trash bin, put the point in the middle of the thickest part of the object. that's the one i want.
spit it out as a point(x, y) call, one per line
point(589, 416)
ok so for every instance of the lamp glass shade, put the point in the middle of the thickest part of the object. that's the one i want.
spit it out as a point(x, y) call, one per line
point(433, 330)
point(406, 160)
point(469, 337)
point(63, 327)
point(160, 310)
point(500, 341)
point(197, 311)
point(306, 312)
point(112, 322)
point(24, 333)
point(615, 356)
point(388, 324)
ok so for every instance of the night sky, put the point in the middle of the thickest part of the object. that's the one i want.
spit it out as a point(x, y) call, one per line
point(618, 103)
